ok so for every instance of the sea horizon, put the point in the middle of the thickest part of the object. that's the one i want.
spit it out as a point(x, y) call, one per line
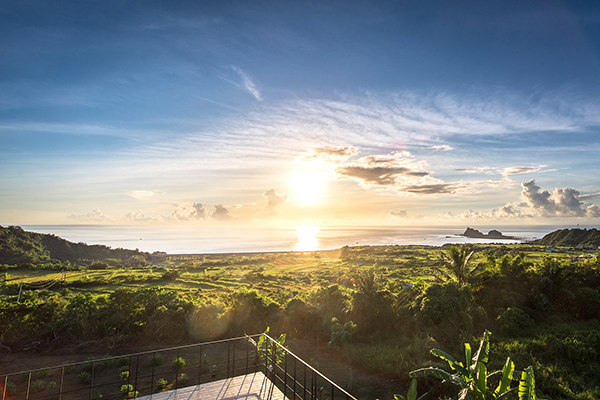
point(174, 239)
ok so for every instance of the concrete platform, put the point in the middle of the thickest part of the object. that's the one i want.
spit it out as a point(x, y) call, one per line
point(254, 386)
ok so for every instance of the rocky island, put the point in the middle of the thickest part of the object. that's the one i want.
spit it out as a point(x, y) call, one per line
point(493, 234)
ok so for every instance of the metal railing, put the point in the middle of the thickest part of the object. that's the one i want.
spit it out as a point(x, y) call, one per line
point(144, 373)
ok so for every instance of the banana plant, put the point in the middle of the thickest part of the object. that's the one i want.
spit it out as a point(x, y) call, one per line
point(263, 349)
point(412, 393)
point(472, 377)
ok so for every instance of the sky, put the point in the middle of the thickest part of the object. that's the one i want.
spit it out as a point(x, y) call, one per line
point(287, 112)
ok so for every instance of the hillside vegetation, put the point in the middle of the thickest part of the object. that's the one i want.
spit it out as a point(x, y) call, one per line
point(18, 246)
point(380, 308)
point(572, 238)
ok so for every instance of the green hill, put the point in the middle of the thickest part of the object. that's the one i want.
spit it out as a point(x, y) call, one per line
point(571, 237)
point(18, 246)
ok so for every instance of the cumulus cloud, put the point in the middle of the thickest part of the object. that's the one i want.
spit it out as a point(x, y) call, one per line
point(536, 203)
point(143, 194)
point(442, 147)
point(247, 83)
point(399, 214)
point(95, 215)
point(273, 201)
point(189, 213)
point(221, 213)
point(137, 217)
point(561, 202)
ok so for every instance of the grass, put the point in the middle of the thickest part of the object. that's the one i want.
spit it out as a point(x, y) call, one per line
point(299, 273)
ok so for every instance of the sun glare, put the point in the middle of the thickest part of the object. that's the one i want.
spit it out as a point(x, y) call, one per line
point(308, 186)
point(307, 238)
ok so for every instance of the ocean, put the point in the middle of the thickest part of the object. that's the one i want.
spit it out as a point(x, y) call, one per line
point(187, 239)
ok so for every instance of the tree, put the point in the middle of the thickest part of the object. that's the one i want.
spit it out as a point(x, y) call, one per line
point(455, 264)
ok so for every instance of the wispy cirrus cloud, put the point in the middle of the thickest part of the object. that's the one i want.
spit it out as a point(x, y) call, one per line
point(144, 194)
point(248, 83)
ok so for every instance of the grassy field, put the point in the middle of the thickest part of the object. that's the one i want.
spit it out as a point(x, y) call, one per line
point(324, 285)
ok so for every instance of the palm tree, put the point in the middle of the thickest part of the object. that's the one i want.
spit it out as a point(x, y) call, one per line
point(455, 263)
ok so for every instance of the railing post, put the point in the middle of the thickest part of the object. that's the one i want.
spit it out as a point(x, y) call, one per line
point(4, 388)
point(332, 391)
point(177, 371)
point(228, 357)
point(28, 386)
point(247, 354)
point(137, 368)
point(62, 379)
point(304, 384)
point(233, 361)
point(200, 366)
point(153, 362)
point(295, 378)
point(285, 373)
point(91, 381)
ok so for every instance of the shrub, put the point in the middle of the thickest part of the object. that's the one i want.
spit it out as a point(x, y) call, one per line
point(38, 386)
point(124, 375)
point(183, 379)
point(161, 384)
point(514, 322)
point(178, 363)
point(44, 373)
point(123, 361)
point(128, 391)
point(156, 360)
point(51, 386)
point(84, 377)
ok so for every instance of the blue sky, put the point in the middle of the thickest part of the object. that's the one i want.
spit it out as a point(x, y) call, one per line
point(352, 112)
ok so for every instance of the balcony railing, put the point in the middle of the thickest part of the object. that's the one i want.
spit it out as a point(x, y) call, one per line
point(145, 373)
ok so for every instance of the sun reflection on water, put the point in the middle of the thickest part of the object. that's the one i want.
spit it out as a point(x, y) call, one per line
point(307, 238)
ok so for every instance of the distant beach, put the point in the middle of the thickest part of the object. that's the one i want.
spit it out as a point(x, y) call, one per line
point(214, 239)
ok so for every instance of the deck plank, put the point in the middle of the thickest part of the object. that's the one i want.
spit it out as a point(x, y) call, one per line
point(254, 386)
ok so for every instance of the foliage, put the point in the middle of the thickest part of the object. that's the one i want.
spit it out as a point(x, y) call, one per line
point(178, 363)
point(161, 384)
point(455, 264)
point(472, 378)
point(156, 360)
point(341, 333)
point(128, 391)
point(83, 377)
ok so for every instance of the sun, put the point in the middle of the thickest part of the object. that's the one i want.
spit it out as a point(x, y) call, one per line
point(308, 186)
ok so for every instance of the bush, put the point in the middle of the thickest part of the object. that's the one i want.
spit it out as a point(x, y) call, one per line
point(84, 377)
point(161, 384)
point(156, 360)
point(514, 322)
point(183, 379)
point(128, 391)
point(38, 386)
point(178, 363)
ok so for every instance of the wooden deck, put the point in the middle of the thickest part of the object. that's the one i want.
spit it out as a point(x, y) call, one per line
point(252, 386)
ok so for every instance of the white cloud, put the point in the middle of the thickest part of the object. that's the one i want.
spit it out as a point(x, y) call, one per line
point(403, 214)
point(247, 83)
point(221, 213)
point(442, 147)
point(194, 212)
point(273, 201)
point(95, 215)
point(137, 216)
point(143, 194)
